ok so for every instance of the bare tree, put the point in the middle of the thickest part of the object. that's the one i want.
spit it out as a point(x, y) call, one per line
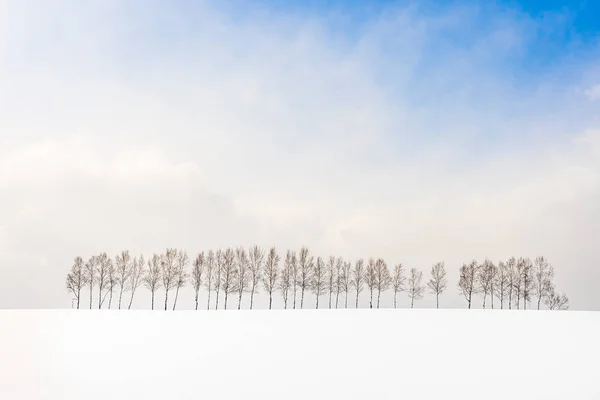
point(371, 279)
point(112, 280)
point(294, 277)
point(102, 277)
point(243, 275)
point(285, 279)
point(256, 260)
point(76, 278)
point(346, 281)
point(383, 278)
point(415, 288)
point(501, 282)
point(526, 280)
point(467, 283)
point(181, 273)
point(305, 266)
point(555, 301)
point(330, 278)
point(398, 281)
point(543, 274)
point(219, 261)
point(136, 277)
point(168, 268)
point(512, 278)
point(318, 283)
point(485, 277)
point(438, 281)
point(210, 274)
point(197, 275)
point(153, 275)
point(358, 278)
point(123, 264)
point(271, 273)
point(339, 267)
point(90, 275)
point(228, 278)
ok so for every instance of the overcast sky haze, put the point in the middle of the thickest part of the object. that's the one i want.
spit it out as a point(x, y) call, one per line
point(416, 132)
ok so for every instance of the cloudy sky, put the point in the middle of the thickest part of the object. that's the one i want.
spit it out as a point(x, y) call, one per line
point(416, 132)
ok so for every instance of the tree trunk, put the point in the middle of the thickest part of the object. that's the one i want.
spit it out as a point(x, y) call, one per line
point(357, 292)
point(225, 303)
point(371, 301)
point(153, 300)
point(78, 297)
point(270, 300)
point(131, 299)
point(337, 299)
point(378, 297)
point(395, 296)
point(110, 299)
point(166, 298)
point(412, 302)
point(346, 301)
point(240, 301)
point(437, 300)
point(217, 301)
point(302, 298)
point(317, 301)
point(252, 298)
point(100, 299)
point(120, 296)
point(484, 296)
point(208, 302)
point(492, 299)
point(91, 290)
point(469, 301)
point(539, 301)
point(196, 300)
point(330, 293)
point(294, 300)
point(176, 296)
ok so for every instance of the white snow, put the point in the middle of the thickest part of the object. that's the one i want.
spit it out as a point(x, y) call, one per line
point(308, 354)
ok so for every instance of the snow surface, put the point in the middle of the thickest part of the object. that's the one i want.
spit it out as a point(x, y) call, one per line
point(299, 354)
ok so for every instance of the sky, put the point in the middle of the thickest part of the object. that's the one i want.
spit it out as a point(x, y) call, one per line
point(412, 131)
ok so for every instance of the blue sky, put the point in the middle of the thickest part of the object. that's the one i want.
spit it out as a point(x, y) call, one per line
point(412, 131)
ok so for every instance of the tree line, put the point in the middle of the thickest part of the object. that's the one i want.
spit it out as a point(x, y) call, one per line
point(231, 273)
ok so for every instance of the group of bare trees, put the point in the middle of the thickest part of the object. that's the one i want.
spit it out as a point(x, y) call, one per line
point(235, 272)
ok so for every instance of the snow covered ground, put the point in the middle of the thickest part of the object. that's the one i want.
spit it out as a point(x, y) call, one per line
point(309, 354)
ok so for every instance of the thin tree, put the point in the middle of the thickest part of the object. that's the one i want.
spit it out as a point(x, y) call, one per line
point(305, 266)
point(102, 277)
point(518, 281)
point(438, 281)
point(398, 281)
point(371, 279)
point(501, 283)
point(90, 275)
point(543, 274)
point(112, 281)
point(485, 277)
point(294, 277)
point(318, 283)
point(153, 275)
point(197, 275)
point(358, 278)
point(526, 280)
point(555, 301)
point(136, 277)
point(228, 278)
point(346, 281)
point(168, 271)
point(76, 278)
point(181, 273)
point(123, 264)
point(415, 288)
point(256, 256)
point(467, 283)
point(339, 267)
point(285, 279)
point(219, 261)
point(210, 273)
point(511, 277)
point(243, 275)
point(271, 273)
point(330, 278)
point(383, 278)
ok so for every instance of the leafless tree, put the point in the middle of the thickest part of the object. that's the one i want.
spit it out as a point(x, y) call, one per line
point(243, 275)
point(438, 281)
point(358, 278)
point(526, 280)
point(153, 275)
point(415, 287)
point(197, 275)
point(90, 275)
point(123, 270)
point(398, 281)
point(485, 277)
point(339, 268)
point(318, 284)
point(383, 278)
point(555, 301)
point(294, 277)
point(228, 278)
point(285, 279)
point(219, 261)
point(270, 273)
point(501, 282)
point(330, 278)
point(136, 277)
point(346, 281)
point(512, 278)
point(305, 267)
point(76, 278)
point(210, 274)
point(112, 281)
point(256, 256)
point(168, 268)
point(371, 279)
point(543, 274)
point(181, 273)
point(467, 283)
point(102, 277)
